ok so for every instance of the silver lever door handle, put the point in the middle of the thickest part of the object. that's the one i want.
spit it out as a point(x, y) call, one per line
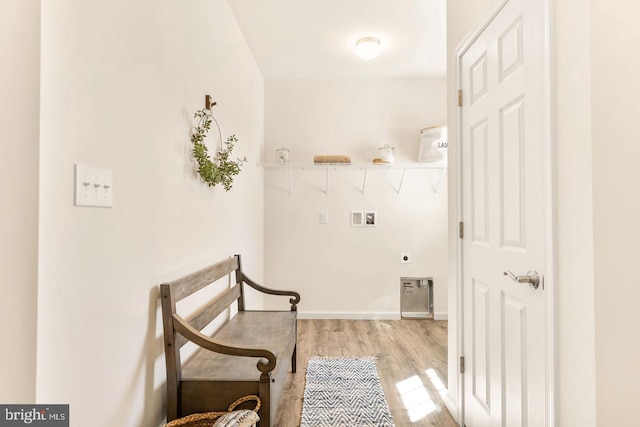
point(531, 278)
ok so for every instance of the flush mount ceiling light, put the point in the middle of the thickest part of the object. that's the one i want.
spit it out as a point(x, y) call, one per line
point(368, 48)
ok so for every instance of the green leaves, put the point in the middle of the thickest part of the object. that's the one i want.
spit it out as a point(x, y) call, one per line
point(221, 170)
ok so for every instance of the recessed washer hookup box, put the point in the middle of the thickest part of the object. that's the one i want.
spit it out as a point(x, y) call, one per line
point(416, 297)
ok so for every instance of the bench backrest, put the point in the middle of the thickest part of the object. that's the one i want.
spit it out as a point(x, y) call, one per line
point(172, 292)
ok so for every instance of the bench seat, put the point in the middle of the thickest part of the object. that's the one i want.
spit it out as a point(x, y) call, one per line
point(273, 331)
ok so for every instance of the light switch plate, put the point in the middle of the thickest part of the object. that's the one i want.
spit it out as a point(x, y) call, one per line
point(93, 187)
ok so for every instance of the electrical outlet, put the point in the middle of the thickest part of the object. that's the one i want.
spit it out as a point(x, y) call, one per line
point(324, 218)
point(405, 258)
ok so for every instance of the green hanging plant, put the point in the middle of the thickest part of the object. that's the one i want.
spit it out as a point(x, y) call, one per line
point(221, 169)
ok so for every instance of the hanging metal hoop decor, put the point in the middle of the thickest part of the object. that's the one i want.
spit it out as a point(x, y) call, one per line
point(220, 170)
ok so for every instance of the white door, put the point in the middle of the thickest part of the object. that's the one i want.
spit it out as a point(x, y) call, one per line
point(503, 135)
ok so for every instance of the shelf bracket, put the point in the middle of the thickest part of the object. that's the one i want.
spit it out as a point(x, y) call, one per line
point(326, 190)
point(404, 170)
point(435, 189)
point(364, 180)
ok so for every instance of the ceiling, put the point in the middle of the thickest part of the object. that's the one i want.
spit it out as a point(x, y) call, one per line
point(295, 39)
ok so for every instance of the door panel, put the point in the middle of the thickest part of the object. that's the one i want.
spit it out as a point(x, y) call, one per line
point(515, 362)
point(502, 142)
point(481, 369)
point(512, 169)
point(510, 50)
point(479, 185)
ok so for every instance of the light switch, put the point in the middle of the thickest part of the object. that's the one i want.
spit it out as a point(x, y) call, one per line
point(324, 218)
point(94, 187)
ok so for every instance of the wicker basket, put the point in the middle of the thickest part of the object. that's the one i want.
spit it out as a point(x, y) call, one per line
point(207, 419)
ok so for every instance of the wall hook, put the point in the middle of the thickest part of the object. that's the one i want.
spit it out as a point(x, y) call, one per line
point(208, 103)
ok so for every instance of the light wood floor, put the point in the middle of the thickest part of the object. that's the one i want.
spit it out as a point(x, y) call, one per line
point(405, 349)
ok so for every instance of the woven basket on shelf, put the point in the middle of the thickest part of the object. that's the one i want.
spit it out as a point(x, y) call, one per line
point(208, 419)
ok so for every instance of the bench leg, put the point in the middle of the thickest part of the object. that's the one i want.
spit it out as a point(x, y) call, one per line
point(172, 402)
point(293, 359)
point(265, 398)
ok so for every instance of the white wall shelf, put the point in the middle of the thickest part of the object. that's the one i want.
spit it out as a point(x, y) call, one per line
point(365, 167)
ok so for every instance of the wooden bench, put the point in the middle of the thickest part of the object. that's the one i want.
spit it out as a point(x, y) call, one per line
point(248, 354)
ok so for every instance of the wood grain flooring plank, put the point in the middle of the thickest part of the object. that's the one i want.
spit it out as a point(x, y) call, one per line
point(408, 352)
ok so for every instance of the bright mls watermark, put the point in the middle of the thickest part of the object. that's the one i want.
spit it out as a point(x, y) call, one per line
point(34, 415)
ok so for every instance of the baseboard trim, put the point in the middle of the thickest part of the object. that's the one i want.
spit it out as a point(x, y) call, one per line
point(452, 406)
point(349, 315)
point(363, 315)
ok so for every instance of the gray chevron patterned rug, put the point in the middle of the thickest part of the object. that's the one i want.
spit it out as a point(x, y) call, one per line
point(344, 392)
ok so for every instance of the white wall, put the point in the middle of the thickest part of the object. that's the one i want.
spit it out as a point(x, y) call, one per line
point(120, 83)
point(19, 142)
point(342, 271)
point(614, 99)
point(575, 353)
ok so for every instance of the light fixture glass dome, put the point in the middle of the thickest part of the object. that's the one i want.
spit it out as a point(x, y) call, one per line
point(368, 48)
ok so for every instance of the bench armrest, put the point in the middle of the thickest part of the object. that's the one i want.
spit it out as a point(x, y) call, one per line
point(293, 301)
point(194, 335)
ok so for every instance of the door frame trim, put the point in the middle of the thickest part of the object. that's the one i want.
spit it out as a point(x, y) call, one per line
point(549, 178)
